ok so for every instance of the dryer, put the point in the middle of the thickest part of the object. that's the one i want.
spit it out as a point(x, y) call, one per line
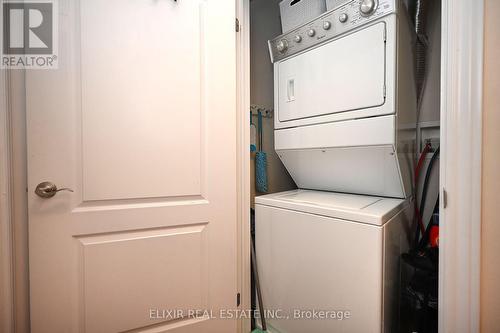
point(345, 100)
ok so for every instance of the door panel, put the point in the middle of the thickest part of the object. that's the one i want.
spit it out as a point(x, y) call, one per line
point(351, 68)
point(133, 108)
point(124, 123)
point(165, 269)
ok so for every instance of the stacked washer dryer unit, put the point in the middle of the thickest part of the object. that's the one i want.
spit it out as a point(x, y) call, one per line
point(345, 112)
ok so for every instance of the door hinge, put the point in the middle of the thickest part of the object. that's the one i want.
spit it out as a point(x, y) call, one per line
point(445, 198)
point(238, 299)
point(237, 25)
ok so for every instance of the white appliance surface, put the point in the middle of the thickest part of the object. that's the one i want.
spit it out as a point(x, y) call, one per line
point(375, 131)
point(351, 207)
point(314, 254)
point(371, 170)
point(342, 75)
point(345, 100)
point(331, 4)
point(296, 12)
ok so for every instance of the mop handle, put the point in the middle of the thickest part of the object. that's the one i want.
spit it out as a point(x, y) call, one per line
point(257, 286)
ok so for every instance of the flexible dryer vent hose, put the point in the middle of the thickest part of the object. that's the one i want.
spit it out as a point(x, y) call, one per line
point(421, 47)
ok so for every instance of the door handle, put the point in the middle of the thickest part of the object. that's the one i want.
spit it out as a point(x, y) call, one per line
point(47, 190)
point(291, 90)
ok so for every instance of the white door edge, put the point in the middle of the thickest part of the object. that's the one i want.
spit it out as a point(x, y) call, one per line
point(243, 128)
point(460, 169)
point(6, 217)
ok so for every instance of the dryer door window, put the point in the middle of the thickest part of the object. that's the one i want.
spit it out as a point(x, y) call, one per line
point(343, 75)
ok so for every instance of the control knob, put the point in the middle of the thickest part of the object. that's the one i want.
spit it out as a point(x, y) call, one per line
point(282, 46)
point(368, 7)
point(343, 18)
point(297, 39)
point(327, 25)
point(311, 32)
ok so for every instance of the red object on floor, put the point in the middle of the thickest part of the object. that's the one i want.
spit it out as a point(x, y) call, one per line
point(434, 236)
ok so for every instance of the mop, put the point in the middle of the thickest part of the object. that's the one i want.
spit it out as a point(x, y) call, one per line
point(253, 135)
point(259, 294)
point(260, 161)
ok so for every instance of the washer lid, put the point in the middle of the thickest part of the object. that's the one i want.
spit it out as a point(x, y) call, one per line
point(352, 207)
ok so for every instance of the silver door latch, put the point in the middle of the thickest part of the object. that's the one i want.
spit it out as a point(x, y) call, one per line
point(47, 190)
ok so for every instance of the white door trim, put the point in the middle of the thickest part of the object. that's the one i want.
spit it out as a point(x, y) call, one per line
point(243, 109)
point(460, 168)
point(6, 200)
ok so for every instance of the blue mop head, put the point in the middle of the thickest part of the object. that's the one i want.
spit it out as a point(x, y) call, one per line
point(261, 172)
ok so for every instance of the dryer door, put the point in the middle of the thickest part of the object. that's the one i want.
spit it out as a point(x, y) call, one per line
point(343, 75)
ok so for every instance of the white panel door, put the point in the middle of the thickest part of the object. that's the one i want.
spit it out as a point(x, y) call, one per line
point(139, 121)
point(343, 75)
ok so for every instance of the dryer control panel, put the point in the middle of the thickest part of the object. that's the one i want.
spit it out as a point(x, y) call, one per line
point(328, 26)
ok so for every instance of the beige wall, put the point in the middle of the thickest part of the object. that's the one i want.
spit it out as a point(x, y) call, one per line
point(430, 112)
point(431, 98)
point(490, 242)
point(264, 25)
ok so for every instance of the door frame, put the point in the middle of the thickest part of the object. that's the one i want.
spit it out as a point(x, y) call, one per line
point(243, 143)
point(460, 168)
point(461, 133)
point(7, 300)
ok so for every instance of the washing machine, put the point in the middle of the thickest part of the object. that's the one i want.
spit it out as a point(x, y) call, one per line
point(345, 121)
point(329, 262)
